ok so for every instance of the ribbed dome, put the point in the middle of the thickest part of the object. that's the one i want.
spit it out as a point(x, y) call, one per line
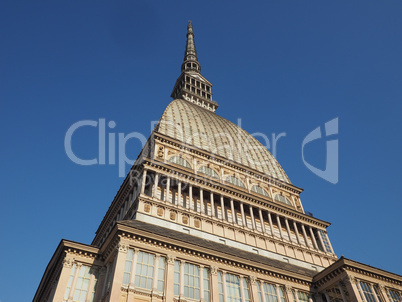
point(204, 129)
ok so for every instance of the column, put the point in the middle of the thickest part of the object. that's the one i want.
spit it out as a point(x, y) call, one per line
point(156, 182)
point(190, 197)
point(253, 288)
point(225, 299)
point(288, 292)
point(223, 207)
point(313, 238)
point(182, 278)
point(170, 277)
point(384, 292)
point(288, 228)
point(374, 293)
point(144, 180)
point(179, 193)
point(242, 289)
point(342, 293)
point(262, 221)
point(270, 224)
point(167, 189)
point(278, 220)
point(326, 295)
point(118, 272)
point(297, 232)
point(351, 287)
point(305, 235)
point(214, 290)
point(253, 226)
point(297, 296)
point(155, 276)
point(201, 201)
point(243, 217)
point(211, 197)
point(263, 292)
point(233, 211)
point(63, 279)
point(201, 282)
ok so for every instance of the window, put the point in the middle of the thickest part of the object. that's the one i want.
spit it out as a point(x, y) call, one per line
point(367, 292)
point(324, 238)
point(176, 281)
point(247, 297)
point(206, 284)
point(208, 171)
point(144, 271)
point(233, 292)
point(270, 293)
point(303, 297)
point(127, 267)
point(282, 199)
point(179, 161)
point(220, 287)
point(259, 190)
point(193, 275)
point(82, 286)
point(235, 181)
point(191, 281)
point(161, 274)
point(395, 296)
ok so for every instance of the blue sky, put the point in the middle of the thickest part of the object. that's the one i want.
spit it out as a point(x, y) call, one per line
point(280, 66)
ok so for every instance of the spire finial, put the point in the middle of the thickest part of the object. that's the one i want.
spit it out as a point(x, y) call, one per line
point(190, 61)
point(191, 85)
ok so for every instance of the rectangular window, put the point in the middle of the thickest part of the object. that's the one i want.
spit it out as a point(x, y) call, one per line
point(367, 292)
point(324, 238)
point(127, 266)
point(220, 287)
point(191, 281)
point(258, 225)
point(246, 291)
point(233, 292)
point(176, 281)
point(70, 282)
point(303, 297)
point(82, 286)
point(161, 274)
point(259, 292)
point(239, 219)
point(395, 296)
point(144, 270)
point(206, 284)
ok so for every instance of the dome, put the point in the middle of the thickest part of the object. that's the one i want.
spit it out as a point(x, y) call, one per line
point(202, 128)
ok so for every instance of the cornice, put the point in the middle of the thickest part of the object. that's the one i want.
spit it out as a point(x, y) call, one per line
point(183, 211)
point(182, 174)
point(137, 235)
point(226, 162)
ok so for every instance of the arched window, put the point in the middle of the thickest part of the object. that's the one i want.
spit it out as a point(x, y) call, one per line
point(235, 181)
point(208, 171)
point(179, 161)
point(282, 199)
point(259, 190)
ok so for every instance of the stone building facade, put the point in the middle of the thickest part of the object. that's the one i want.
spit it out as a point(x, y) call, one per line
point(208, 214)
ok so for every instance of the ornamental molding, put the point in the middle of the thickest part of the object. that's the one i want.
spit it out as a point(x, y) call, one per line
point(253, 279)
point(195, 216)
point(207, 256)
point(214, 270)
point(171, 258)
point(122, 247)
point(68, 262)
point(222, 189)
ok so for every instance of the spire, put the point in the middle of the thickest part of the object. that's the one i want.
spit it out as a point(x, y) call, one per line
point(190, 61)
point(191, 85)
